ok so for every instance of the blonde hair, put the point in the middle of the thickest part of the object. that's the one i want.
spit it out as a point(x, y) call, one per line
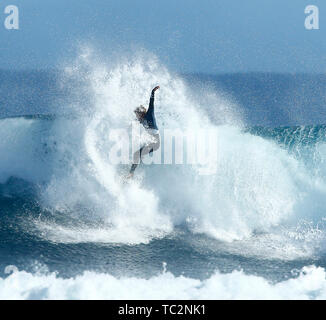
point(140, 110)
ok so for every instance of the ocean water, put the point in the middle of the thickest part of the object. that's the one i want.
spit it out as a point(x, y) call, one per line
point(70, 229)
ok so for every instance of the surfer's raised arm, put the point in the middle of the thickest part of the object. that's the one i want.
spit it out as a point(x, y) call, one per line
point(151, 100)
point(150, 116)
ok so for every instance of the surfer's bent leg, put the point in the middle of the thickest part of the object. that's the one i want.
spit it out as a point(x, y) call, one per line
point(153, 146)
point(136, 159)
point(149, 148)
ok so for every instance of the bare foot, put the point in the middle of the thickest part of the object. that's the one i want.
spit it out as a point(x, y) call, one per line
point(130, 175)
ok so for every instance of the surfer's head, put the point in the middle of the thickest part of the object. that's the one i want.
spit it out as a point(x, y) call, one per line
point(140, 112)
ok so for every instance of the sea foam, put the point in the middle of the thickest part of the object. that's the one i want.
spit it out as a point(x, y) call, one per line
point(310, 283)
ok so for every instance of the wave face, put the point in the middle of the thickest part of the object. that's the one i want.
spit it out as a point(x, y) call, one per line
point(263, 210)
point(270, 178)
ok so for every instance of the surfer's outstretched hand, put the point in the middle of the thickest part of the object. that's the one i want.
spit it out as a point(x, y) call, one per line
point(157, 87)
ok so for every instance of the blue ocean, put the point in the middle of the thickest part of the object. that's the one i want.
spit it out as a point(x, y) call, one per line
point(69, 229)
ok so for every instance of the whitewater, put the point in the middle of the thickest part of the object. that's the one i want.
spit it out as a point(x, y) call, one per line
point(70, 229)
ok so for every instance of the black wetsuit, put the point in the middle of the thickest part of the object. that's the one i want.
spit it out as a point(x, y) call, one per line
point(149, 121)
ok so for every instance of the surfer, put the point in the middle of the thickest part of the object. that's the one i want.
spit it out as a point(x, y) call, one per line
point(147, 119)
